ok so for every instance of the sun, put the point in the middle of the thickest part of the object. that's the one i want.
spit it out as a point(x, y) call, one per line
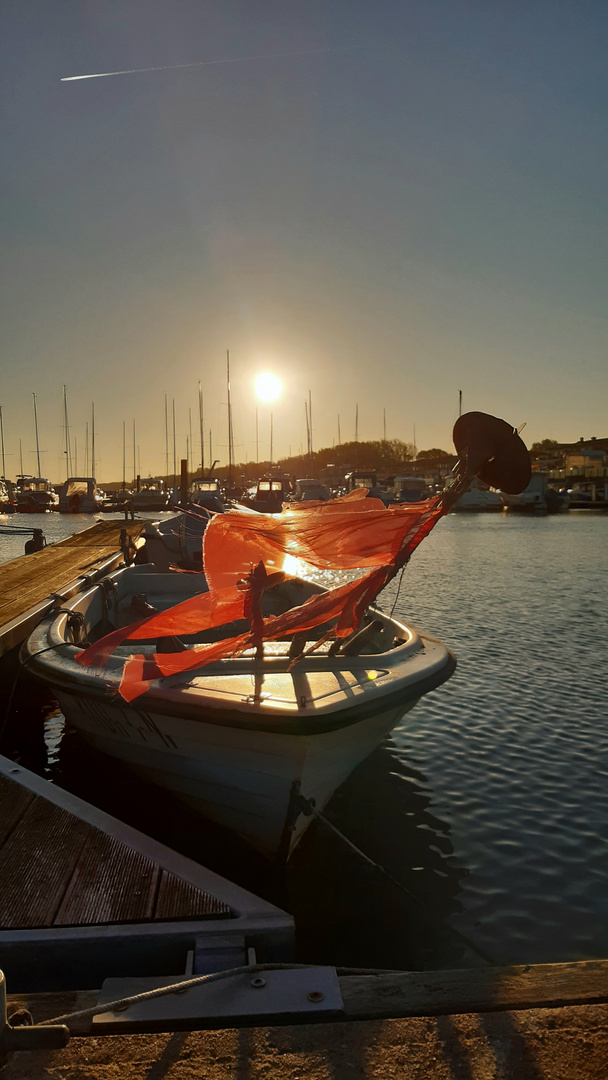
point(268, 386)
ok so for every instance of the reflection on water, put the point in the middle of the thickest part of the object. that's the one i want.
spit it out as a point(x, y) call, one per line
point(489, 802)
point(348, 911)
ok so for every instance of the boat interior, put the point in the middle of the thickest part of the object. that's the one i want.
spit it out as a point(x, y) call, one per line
point(140, 590)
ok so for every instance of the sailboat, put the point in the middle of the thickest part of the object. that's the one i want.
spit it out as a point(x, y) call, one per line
point(35, 494)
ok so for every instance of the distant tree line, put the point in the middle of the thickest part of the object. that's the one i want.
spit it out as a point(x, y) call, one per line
point(386, 457)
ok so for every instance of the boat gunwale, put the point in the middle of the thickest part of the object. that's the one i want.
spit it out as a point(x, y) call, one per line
point(304, 722)
point(42, 656)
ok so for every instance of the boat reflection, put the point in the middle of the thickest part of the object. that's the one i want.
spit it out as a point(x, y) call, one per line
point(349, 914)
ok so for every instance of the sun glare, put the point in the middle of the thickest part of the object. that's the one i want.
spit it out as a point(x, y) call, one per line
point(268, 386)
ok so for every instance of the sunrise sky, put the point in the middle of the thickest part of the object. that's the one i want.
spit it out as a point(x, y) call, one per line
point(387, 203)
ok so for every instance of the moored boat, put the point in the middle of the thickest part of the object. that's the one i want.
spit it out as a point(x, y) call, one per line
point(35, 495)
point(243, 739)
point(248, 692)
point(151, 497)
point(533, 500)
point(479, 498)
point(79, 495)
point(269, 495)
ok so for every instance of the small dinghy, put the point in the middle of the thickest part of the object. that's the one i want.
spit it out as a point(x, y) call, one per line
point(250, 693)
point(244, 739)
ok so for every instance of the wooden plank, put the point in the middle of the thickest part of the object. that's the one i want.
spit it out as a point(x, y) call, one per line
point(59, 871)
point(38, 860)
point(48, 1005)
point(432, 993)
point(178, 899)
point(29, 580)
point(14, 801)
point(111, 883)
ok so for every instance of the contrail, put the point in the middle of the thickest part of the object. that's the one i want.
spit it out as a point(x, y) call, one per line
point(202, 63)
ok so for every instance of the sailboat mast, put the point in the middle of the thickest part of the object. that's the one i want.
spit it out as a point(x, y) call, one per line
point(174, 450)
point(271, 438)
point(37, 439)
point(134, 462)
point(310, 418)
point(93, 439)
point(2, 437)
point(66, 425)
point(200, 424)
point(124, 456)
point(166, 443)
point(230, 446)
point(86, 448)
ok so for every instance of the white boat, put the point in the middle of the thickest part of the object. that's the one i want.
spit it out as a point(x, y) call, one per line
point(409, 489)
point(79, 495)
point(151, 497)
point(176, 541)
point(479, 498)
point(533, 500)
point(35, 495)
point(244, 740)
point(276, 689)
point(208, 494)
point(8, 504)
point(310, 490)
point(269, 495)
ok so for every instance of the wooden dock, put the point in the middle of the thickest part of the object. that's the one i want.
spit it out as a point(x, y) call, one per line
point(84, 897)
point(32, 584)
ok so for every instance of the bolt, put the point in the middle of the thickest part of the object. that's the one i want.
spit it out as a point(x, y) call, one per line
point(315, 995)
point(257, 982)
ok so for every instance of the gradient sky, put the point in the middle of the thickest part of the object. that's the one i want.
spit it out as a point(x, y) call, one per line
point(414, 205)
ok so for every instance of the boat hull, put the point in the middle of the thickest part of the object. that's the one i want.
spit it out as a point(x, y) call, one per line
point(241, 779)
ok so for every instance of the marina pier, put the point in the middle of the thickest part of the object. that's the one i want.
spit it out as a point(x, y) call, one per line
point(32, 585)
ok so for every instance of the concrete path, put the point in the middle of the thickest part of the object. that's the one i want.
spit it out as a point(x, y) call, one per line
point(569, 1043)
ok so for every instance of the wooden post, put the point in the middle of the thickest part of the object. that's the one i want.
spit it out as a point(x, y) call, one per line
point(183, 485)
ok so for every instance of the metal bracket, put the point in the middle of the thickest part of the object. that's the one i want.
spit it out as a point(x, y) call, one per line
point(304, 994)
point(298, 804)
point(19, 1032)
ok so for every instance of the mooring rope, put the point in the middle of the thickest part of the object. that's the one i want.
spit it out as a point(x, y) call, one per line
point(399, 885)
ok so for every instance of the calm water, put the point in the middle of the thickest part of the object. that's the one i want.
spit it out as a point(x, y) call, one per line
point(489, 803)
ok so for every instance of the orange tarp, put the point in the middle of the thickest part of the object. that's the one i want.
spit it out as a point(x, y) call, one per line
point(340, 535)
point(348, 533)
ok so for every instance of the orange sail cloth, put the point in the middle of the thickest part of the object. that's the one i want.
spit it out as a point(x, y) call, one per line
point(203, 612)
point(343, 535)
point(346, 604)
point(346, 533)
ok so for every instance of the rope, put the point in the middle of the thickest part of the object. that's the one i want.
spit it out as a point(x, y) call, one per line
point(399, 885)
point(398, 591)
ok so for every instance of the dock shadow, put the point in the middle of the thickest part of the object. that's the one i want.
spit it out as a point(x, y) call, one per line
point(170, 1054)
